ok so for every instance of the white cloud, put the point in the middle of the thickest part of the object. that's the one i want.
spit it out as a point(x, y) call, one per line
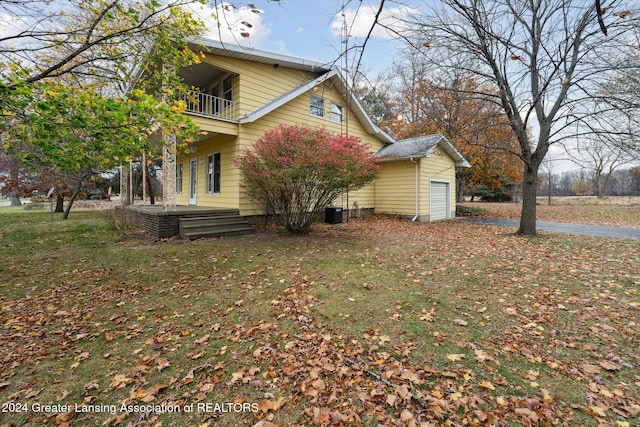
point(281, 47)
point(360, 21)
point(11, 25)
point(238, 25)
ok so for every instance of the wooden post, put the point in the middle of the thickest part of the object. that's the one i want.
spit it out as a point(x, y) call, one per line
point(144, 178)
point(169, 173)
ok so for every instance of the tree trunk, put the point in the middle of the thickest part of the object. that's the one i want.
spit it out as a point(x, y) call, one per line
point(529, 193)
point(72, 199)
point(14, 198)
point(59, 203)
point(460, 190)
point(597, 184)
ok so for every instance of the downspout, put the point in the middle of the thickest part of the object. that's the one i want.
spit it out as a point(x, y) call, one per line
point(416, 186)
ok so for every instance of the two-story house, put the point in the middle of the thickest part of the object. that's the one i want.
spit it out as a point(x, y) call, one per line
point(241, 93)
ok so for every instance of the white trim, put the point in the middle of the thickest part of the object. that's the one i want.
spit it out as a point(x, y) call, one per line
point(179, 167)
point(193, 181)
point(339, 108)
point(322, 109)
point(236, 51)
point(447, 202)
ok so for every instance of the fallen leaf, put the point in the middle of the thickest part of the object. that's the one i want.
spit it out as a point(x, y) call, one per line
point(609, 366)
point(526, 412)
point(460, 322)
point(406, 415)
point(119, 381)
point(65, 417)
point(455, 357)
point(487, 385)
point(265, 405)
point(162, 363)
point(598, 411)
point(202, 340)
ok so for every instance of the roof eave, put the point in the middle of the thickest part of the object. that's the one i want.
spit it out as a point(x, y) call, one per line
point(233, 50)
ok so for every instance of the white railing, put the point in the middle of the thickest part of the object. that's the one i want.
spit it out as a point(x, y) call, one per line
point(211, 106)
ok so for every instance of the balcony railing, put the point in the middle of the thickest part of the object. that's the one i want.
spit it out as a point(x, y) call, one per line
point(211, 106)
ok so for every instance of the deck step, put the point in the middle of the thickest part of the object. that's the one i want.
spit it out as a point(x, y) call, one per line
point(218, 224)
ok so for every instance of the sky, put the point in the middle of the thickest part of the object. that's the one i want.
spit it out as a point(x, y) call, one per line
point(310, 29)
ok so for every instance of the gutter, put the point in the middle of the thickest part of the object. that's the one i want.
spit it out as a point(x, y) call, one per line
point(416, 186)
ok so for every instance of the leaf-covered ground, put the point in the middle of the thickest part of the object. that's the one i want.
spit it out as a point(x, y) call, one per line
point(612, 211)
point(375, 322)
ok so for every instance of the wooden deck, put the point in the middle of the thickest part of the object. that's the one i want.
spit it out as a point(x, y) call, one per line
point(162, 224)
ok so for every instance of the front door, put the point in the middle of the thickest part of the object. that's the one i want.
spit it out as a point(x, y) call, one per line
point(193, 181)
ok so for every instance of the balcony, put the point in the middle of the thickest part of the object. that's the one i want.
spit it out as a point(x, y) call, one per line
point(205, 105)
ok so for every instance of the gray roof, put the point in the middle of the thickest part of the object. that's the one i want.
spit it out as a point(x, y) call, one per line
point(257, 55)
point(415, 148)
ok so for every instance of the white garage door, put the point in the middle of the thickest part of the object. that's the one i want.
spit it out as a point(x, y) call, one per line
point(439, 203)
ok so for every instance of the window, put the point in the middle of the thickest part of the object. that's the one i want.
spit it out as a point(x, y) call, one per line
point(316, 106)
point(213, 173)
point(178, 178)
point(227, 91)
point(222, 92)
point(336, 113)
point(215, 102)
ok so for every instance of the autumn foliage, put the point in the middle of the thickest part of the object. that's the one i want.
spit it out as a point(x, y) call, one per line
point(460, 110)
point(296, 172)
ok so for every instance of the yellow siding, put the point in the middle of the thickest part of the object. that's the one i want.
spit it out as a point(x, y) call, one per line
point(229, 175)
point(182, 194)
point(258, 83)
point(440, 166)
point(297, 112)
point(395, 189)
point(215, 126)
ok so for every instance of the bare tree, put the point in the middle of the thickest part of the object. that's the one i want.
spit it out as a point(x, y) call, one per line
point(547, 167)
point(543, 60)
point(601, 158)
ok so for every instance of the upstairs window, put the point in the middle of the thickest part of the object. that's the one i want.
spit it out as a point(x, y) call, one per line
point(336, 113)
point(316, 105)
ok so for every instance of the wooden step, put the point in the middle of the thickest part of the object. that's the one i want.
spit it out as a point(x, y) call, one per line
point(218, 224)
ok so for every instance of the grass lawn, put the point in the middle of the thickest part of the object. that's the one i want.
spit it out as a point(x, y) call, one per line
point(376, 322)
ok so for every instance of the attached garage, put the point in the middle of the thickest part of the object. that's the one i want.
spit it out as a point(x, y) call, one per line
point(418, 178)
point(439, 204)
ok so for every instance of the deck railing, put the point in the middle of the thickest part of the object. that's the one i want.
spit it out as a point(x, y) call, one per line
point(211, 106)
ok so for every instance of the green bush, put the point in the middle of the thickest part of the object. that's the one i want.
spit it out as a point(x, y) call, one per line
point(469, 211)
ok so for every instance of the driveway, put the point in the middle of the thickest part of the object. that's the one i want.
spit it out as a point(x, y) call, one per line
point(561, 227)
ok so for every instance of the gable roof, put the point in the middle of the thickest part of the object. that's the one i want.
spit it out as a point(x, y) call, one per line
point(337, 80)
point(422, 146)
point(328, 72)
